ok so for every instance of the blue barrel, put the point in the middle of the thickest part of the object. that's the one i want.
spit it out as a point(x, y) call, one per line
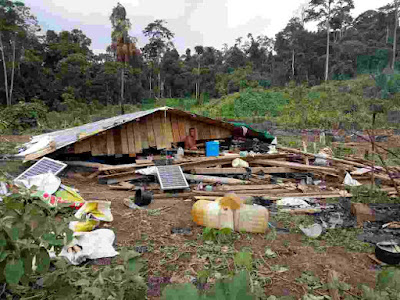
point(212, 148)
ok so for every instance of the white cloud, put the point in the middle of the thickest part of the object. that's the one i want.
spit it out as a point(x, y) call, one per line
point(194, 22)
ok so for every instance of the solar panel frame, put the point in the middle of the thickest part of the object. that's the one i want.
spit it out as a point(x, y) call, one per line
point(44, 165)
point(171, 178)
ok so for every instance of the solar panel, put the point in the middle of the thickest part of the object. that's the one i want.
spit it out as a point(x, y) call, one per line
point(43, 166)
point(171, 177)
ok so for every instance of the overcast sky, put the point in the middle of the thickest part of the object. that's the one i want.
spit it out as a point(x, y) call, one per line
point(194, 22)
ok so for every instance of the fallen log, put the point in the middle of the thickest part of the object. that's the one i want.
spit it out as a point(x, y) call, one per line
point(214, 179)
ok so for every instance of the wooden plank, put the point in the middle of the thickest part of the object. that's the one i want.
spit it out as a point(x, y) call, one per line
point(175, 129)
point(86, 164)
point(124, 139)
point(187, 125)
point(98, 144)
point(138, 137)
point(295, 166)
point(206, 133)
point(200, 131)
point(217, 132)
point(124, 167)
point(213, 134)
point(161, 124)
point(273, 170)
point(170, 136)
point(143, 134)
point(51, 148)
point(264, 187)
point(110, 142)
point(150, 132)
point(131, 138)
point(117, 140)
point(181, 126)
point(210, 171)
point(157, 130)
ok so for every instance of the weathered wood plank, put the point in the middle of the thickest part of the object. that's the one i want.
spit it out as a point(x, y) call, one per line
point(124, 139)
point(150, 131)
point(143, 134)
point(213, 134)
point(117, 140)
point(138, 137)
point(182, 129)
point(131, 139)
point(98, 144)
point(175, 129)
point(110, 142)
point(170, 137)
point(161, 125)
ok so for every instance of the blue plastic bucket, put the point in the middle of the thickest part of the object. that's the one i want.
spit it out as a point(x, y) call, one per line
point(212, 148)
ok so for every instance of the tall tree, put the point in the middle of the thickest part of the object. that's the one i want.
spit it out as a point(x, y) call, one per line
point(159, 42)
point(13, 18)
point(322, 10)
point(199, 51)
point(122, 42)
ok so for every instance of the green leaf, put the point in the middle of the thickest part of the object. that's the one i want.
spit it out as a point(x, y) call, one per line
point(244, 259)
point(42, 261)
point(27, 257)
point(3, 256)
point(82, 282)
point(14, 271)
point(96, 292)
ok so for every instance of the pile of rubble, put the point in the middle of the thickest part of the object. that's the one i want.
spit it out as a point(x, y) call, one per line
point(287, 173)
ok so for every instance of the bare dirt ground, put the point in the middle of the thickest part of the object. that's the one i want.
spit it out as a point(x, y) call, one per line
point(135, 227)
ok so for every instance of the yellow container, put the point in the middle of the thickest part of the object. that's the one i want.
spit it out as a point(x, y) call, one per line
point(210, 214)
point(251, 218)
point(248, 218)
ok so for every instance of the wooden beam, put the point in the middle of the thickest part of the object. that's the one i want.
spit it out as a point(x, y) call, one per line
point(214, 179)
point(51, 148)
point(264, 187)
point(295, 166)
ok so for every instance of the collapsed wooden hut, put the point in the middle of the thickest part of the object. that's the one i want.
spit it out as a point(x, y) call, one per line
point(129, 134)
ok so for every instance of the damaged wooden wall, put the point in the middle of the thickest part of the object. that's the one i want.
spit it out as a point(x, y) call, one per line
point(157, 130)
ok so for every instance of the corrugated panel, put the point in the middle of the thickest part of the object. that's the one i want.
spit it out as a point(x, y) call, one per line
point(171, 177)
point(42, 167)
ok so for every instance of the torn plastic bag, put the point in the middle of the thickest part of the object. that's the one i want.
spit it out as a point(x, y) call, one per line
point(95, 244)
point(100, 210)
point(293, 201)
point(83, 226)
point(48, 182)
point(348, 180)
point(3, 190)
point(148, 171)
